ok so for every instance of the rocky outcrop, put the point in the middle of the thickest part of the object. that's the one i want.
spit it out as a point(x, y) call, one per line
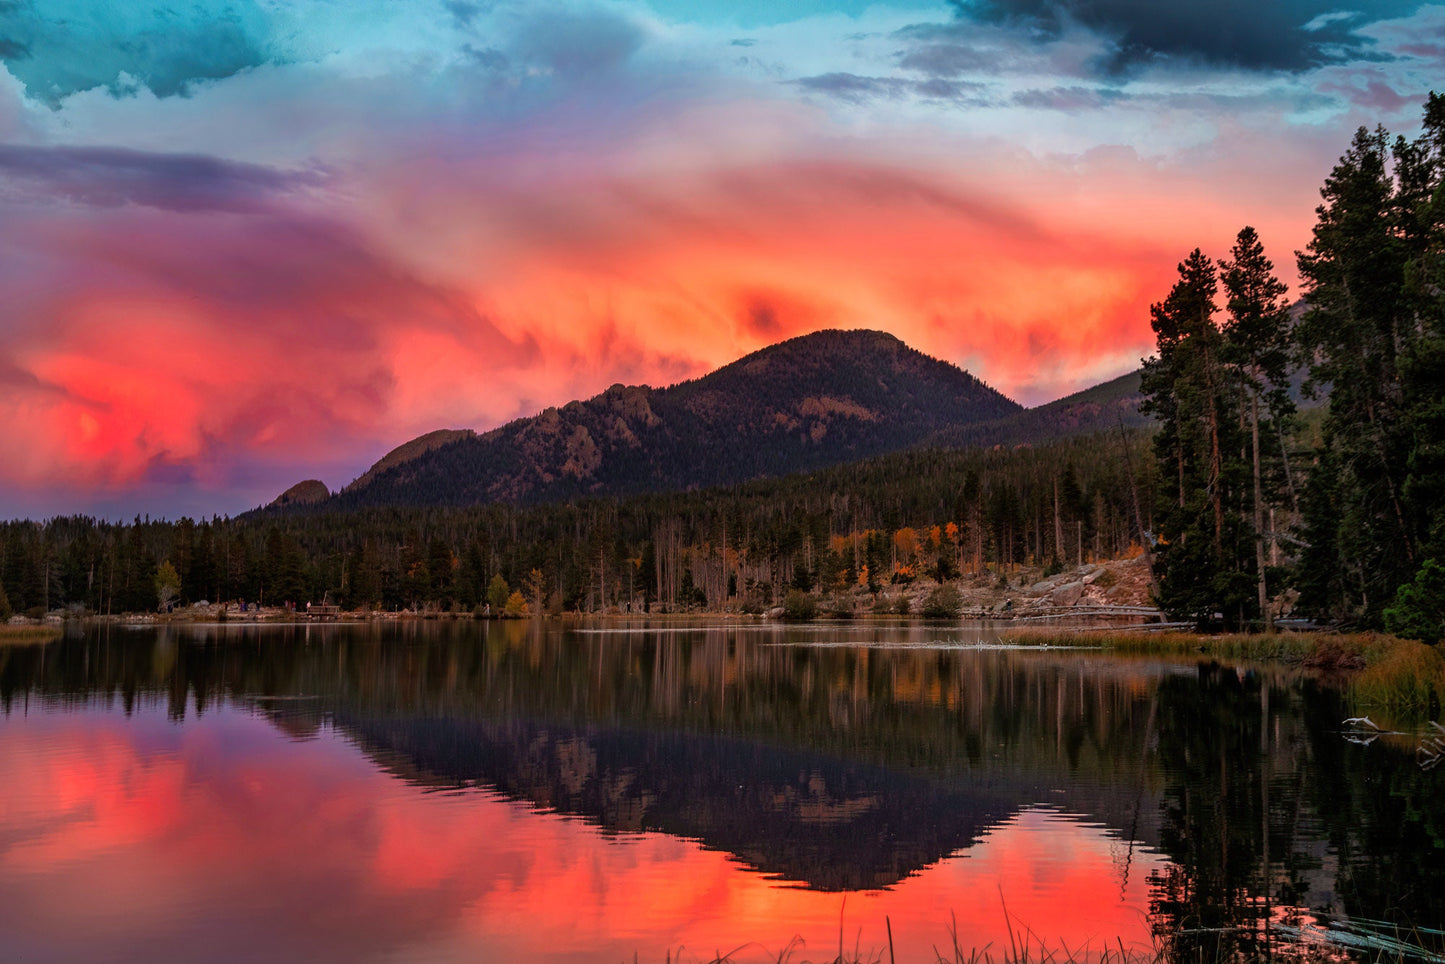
point(303, 493)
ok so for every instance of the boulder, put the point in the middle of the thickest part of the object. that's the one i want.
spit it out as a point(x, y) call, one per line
point(1066, 595)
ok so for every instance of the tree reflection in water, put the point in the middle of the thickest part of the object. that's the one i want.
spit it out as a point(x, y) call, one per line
point(846, 766)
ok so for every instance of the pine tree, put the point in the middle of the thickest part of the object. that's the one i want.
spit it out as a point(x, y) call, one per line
point(1363, 337)
point(1257, 342)
point(1204, 563)
point(1420, 168)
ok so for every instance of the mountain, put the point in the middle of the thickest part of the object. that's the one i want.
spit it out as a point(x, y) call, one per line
point(303, 493)
point(1102, 408)
point(813, 401)
point(407, 451)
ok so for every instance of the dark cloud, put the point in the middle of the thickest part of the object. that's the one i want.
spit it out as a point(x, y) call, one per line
point(489, 58)
point(109, 177)
point(1286, 35)
point(465, 12)
point(15, 379)
point(579, 43)
point(58, 47)
point(1066, 98)
point(761, 321)
point(937, 88)
point(965, 48)
point(852, 87)
point(857, 89)
point(948, 59)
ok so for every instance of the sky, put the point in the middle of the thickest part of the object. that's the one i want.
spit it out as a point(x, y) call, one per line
point(249, 242)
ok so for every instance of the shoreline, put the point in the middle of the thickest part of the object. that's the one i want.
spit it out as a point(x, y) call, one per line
point(1129, 618)
point(1397, 676)
point(1116, 589)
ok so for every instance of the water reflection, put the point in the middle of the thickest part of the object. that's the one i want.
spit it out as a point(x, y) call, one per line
point(744, 781)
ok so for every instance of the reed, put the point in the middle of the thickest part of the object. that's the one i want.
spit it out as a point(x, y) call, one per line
point(28, 635)
point(1140, 640)
point(1025, 951)
point(1027, 947)
point(1396, 669)
point(1406, 679)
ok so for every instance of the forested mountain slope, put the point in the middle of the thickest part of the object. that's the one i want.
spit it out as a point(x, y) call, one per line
point(822, 399)
point(1102, 408)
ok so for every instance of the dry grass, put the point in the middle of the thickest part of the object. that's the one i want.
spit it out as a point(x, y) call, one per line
point(1405, 678)
point(1398, 670)
point(28, 635)
point(1025, 947)
point(1297, 647)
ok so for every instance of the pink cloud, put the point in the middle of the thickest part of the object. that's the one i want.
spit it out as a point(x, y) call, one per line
point(296, 322)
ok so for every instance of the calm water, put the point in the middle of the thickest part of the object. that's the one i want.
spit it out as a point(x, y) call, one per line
point(513, 792)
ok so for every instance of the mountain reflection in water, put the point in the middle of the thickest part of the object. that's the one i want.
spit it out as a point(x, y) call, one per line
point(733, 784)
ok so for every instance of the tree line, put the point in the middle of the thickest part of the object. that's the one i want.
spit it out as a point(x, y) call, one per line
point(858, 527)
point(1359, 516)
point(1241, 514)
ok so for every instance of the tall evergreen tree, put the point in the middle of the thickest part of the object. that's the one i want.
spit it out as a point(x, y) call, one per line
point(1370, 336)
point(1205, 560)
point(1420, 168)
point(1257, 342)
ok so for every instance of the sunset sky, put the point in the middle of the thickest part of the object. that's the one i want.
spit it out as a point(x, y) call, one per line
point(248, 242)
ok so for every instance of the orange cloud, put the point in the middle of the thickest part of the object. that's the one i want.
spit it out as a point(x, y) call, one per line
point(242, 346)
point(688, 246)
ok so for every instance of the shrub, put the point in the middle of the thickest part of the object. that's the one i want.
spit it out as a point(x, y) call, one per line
point(516, 606)
point(799, 606)
point(168, 584)
point(945, 602)
point(497, 592)
point(1419, 608)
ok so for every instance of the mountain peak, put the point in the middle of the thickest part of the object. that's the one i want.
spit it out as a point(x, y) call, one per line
point(826, 348)
point(806, 403)
point(303, 493)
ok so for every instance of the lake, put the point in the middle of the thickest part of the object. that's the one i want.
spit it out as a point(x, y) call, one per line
point(557, 792)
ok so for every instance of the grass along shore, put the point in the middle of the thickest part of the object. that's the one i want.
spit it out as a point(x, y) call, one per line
point(28, 635)
point(1025, 946)
point(1401, 677)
